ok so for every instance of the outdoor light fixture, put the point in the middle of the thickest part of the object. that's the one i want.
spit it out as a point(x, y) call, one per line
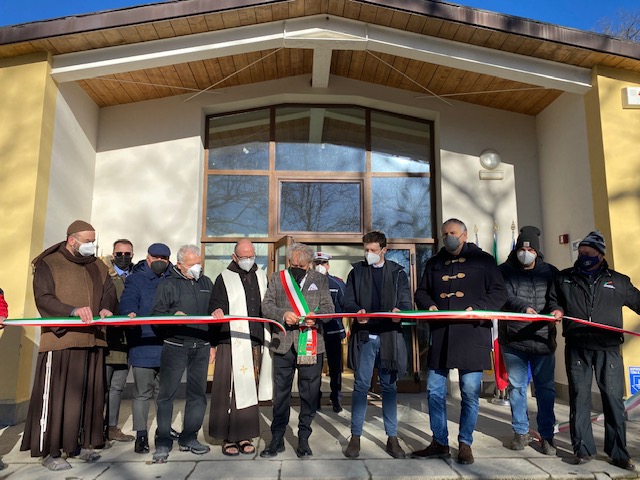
point(490, 159)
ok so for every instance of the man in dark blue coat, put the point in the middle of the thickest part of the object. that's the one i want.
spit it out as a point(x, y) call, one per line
point(333, 331)
point(459, 277)
point(528, 279)
point(144, 346)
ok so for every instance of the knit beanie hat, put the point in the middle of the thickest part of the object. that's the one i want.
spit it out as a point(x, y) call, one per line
point(79, 226)
point(595, 240)
point(529, 237)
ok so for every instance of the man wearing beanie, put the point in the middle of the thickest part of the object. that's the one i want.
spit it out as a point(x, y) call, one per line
point(591, 291)
point(528, 279)
point(67, 400)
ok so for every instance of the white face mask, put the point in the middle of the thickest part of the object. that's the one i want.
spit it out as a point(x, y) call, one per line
point(372, 258)
point(321, 269)
point(526, 257)
point(246, 263)
point(87, 249)
point(195, 271)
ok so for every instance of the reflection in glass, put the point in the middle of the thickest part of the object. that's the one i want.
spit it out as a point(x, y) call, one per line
point(401, 257)
point(399, 144)
point(320, 139)
point(217, 257)
point(237, 205)
point(320, 207)
point(401, 207)
point(239, 141)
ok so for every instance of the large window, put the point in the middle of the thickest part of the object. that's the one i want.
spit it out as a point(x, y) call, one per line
point(321, 173)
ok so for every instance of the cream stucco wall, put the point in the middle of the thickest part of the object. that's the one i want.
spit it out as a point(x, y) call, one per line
point(565, 186)
point(149, 168)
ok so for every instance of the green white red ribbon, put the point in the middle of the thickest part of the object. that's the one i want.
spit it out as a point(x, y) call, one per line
point(127, 321)
point(308, 338)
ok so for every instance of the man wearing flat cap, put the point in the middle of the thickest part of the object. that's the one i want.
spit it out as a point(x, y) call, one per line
point(144, 346)
point(591, 291)
point(67, 400)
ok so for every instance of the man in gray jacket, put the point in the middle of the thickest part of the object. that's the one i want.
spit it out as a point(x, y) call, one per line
point(302, 347)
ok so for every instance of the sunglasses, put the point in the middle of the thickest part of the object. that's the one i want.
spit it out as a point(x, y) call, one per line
point(123, 254)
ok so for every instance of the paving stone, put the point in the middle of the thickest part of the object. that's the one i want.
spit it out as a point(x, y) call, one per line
point(501, 469)
point(411, 469)
point(324, 470)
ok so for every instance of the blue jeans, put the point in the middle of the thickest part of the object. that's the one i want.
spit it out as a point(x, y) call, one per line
point(542, 372)
point(470, 382)
point(370, 358)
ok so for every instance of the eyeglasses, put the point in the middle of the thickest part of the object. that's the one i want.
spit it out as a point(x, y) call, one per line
point(123, 254)
point(252, 257)
point(320, 262)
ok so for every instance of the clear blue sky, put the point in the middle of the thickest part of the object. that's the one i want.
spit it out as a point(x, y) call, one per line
point(581, 14)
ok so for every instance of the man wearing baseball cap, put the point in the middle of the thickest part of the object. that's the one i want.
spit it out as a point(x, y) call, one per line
point(333, 331)
point(591, 291)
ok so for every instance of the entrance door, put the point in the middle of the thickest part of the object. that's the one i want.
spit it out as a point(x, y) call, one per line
point(279, 254)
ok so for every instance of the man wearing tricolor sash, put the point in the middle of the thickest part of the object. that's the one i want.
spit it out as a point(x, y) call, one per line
point(234, 416)
point(292, 298)
point(459, 277)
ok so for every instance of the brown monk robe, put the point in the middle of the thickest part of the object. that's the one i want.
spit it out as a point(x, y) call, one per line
point(67, 401)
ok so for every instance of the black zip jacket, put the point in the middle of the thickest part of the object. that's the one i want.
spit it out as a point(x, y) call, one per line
point(527, 288)
point(597, 299)
point(178, 293)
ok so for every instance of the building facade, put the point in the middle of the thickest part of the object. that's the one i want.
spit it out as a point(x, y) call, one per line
point(206, 122)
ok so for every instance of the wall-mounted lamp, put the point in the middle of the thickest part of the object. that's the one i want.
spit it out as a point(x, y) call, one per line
point(490, 160)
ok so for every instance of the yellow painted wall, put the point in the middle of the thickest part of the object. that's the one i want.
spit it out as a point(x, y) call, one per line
point(27, 113)
point(614, 155)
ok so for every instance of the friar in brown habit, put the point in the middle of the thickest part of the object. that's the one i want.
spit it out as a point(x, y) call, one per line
point(67, 400)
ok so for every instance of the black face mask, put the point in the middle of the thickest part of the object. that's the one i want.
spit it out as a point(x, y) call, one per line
point(158, 267)
point(297, 273)
point(122, 262)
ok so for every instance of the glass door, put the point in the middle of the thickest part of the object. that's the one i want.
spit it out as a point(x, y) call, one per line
point(279, 254)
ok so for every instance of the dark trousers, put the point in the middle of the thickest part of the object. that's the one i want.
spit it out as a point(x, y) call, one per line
point(194, 356)
point(609, 373)
point(309, 378)
point(333, 351)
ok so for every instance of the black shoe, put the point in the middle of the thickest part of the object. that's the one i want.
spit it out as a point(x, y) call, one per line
point(142, 445)
point(274, 448)
point(625, 463)
point(303, 450)
point(174, 434)
point(336, 406)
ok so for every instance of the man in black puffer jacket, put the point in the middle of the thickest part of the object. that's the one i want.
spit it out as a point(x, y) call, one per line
point(528, 279)
point(594, 292)
point(186, 346)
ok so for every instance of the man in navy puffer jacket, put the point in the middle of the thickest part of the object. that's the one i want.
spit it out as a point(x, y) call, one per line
point(145, 347)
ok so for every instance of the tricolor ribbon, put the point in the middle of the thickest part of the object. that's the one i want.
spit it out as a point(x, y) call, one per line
point(438, 315)
point(127, 321)
point(308, 338)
